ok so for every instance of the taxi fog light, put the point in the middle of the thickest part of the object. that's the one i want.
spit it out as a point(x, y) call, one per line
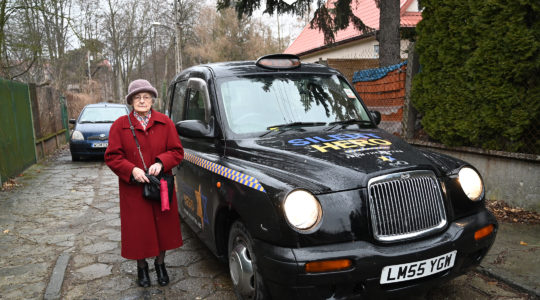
point(483, 232)
point(302, 210)
point(328, 265)
point(77, 136)
point(471, 183)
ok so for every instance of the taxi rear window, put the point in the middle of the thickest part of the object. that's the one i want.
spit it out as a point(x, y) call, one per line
point(255, 103)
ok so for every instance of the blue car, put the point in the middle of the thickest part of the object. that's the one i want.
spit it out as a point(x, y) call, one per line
point(90, 136)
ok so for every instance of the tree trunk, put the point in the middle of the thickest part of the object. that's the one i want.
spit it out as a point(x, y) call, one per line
point(388, 35)
point(3, 20)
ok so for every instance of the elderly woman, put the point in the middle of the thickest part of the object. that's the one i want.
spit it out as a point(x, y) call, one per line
point(146, 230)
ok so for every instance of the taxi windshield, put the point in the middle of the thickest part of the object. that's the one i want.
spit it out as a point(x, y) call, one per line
point(255, 104)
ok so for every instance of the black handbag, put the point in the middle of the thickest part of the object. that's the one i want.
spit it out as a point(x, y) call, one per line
point(152, 189)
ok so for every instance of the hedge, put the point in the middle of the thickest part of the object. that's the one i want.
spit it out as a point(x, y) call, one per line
point(479, 83)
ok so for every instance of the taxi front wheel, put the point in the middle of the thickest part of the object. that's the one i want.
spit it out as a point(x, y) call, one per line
point(247, 282)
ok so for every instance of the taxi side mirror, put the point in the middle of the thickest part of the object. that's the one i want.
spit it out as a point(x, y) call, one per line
point(195, 129)
point(376, 116)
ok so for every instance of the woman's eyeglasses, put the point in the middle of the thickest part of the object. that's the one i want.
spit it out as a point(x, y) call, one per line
point(139, 98)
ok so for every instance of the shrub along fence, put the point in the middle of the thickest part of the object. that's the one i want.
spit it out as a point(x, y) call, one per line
point(77, 101)
point(480, 81)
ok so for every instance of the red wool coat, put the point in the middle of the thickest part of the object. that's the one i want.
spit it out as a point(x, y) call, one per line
point(145, 229)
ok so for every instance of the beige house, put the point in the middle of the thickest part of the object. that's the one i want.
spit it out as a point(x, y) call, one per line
point(351, 43)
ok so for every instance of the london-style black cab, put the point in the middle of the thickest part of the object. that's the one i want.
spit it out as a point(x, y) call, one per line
point(288, 179)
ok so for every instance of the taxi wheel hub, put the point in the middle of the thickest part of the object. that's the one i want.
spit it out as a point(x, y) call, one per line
point(241, 269)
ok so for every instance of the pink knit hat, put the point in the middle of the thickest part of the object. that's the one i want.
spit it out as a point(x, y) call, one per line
point(137, 86)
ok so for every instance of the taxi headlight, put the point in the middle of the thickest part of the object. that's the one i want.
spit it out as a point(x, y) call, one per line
point(471, 183)
point(302, 210)
point(77, 136)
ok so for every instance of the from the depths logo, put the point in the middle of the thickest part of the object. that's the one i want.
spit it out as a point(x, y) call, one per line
point(341, 141)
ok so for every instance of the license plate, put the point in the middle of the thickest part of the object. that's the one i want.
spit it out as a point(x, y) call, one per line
point(418, 269)
point(100, 145)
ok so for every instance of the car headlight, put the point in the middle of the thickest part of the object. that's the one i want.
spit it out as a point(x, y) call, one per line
point(77, 136)
point(302, 209)
point(471, 183)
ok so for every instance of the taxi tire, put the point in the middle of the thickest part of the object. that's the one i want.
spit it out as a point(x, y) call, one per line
point(241, 245)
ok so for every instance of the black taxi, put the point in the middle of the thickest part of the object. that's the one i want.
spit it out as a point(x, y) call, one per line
point(287, 178)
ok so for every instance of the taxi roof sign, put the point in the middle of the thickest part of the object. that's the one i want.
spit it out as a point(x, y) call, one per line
point(279, 61)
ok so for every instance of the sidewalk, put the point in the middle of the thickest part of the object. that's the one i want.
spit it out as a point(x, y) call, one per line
point(515, 257)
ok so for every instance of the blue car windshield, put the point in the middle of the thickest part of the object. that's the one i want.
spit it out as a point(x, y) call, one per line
point(255, 104)
point(101, 114)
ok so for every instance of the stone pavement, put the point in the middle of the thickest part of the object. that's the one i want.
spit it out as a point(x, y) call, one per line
point(515, 257)
point(60, 238)
point(71, 209)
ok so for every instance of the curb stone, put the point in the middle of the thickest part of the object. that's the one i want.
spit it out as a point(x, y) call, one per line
point(57, 278)
point(511, 283)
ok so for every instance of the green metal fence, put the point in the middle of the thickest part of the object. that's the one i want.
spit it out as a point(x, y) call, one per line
point(17, 149)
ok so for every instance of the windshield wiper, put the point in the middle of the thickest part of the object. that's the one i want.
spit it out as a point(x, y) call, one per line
point(86, 121)
point(104, 121)
point(290, 125)
point(349, 122)
point(293, 124)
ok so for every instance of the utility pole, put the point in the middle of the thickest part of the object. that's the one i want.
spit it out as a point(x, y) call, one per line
point(89, 72)
point(154, 49)
point(177, 44)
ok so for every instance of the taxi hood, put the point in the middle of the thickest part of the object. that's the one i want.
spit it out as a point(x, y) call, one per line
point(329, 161)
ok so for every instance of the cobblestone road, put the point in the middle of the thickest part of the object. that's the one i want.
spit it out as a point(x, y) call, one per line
point(72, 208)
point(66, 214)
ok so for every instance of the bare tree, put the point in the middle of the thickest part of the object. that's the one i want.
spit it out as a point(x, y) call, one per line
point(48, 41)
point(86, 61)
point(126, 29)
point(20, 41)
point(54, 14)
point(186, 16)
point(223, 37)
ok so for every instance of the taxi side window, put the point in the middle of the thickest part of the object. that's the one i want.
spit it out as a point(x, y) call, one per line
point(177, 110)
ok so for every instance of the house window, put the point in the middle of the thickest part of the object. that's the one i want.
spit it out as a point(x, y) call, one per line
point(376, 51)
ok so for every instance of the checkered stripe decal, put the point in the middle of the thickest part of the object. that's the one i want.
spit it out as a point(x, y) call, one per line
point(226, 172)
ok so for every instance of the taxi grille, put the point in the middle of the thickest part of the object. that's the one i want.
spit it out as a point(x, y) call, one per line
point(405, 205)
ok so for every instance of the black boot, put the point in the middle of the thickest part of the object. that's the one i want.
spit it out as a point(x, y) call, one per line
point(162, 277)
point(143, 277)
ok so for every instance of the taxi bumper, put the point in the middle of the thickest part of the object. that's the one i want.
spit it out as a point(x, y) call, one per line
point(284, 268)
